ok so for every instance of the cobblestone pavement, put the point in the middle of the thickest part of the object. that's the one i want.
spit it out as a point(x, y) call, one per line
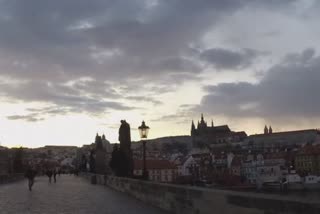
point(69, 195)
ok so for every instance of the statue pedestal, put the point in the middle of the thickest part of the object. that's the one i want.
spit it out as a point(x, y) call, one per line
point(101, 162)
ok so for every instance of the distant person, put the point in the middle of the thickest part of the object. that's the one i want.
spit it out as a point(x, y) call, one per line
point(55, 175)
point(49, 174)
point(30, 174)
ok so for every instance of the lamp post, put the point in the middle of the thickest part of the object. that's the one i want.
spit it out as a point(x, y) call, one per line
point(143, 130)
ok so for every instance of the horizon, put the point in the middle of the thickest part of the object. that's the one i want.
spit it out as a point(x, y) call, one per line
point(71, 69)
point(150, 139)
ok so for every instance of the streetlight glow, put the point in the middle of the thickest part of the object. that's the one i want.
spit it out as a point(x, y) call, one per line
point(143, 130)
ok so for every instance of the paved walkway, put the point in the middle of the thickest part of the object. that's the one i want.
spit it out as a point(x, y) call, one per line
point(69, 195)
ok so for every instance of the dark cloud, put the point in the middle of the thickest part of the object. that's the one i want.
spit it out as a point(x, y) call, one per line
point(47, 45)
point(228, 59)
point(288, 89)
point(182, 115)
point(104, 39)
point(77, 99)
point(28, 118)
point(47, 111)
point(144, 99)
point(40, 114)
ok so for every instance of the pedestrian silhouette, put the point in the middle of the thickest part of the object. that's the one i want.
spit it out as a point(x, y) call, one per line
point(30, 174)
point(55, 175)
point(49, 174)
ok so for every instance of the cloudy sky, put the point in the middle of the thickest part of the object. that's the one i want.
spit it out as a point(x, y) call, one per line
point(69, 69)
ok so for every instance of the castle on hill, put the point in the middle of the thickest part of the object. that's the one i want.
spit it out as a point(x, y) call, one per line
point(204, 135)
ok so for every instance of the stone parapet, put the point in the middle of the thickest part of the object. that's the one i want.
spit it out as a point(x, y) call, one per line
point(7, 178)
point(195, 200)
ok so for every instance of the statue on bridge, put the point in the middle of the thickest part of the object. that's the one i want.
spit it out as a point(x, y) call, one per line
point(101, 156)
point(92, 162)
point(122, 161)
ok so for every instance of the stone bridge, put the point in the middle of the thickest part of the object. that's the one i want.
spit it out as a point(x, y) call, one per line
point(69, 195)
point(114, 195)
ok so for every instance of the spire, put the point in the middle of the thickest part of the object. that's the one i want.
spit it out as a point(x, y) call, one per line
point(212, 123)
point(202, 124)
point(266, 131)
point(270, 130)
point(193, 128)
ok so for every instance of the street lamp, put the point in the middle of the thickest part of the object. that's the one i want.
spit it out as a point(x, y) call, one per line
point(143, 130)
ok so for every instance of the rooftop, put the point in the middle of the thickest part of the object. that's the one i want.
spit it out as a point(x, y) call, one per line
point(287, 133)
point(154, 164)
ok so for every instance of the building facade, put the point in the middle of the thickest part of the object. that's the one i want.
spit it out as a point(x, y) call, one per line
point(307, 160)
point(158, 170)
point(273, 141)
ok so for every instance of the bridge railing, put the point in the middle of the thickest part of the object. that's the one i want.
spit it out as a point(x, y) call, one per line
point(187, 199)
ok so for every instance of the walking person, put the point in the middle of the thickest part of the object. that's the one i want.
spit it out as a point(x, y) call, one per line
point(30, 174)
point(55, 175)
point(49, 174)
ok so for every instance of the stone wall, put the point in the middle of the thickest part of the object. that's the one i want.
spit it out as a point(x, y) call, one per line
point(193, 200)
point(7, 178)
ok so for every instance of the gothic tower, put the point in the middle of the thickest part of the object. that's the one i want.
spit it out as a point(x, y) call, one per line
point(193, 128)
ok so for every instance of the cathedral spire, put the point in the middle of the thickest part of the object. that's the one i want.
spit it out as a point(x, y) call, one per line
point(270, 130)
point(266, 131)
point(202, 119)
point(212, 123)
point(193, 128)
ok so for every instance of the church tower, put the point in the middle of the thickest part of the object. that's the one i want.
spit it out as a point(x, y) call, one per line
point(266, 131)
point(193, 128)
point(270, 130)
point(203, 124)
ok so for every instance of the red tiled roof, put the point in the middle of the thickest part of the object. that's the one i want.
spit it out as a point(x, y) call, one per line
point(278, 155)
point(310, 150)
point(154, 164)
point(240, 134)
